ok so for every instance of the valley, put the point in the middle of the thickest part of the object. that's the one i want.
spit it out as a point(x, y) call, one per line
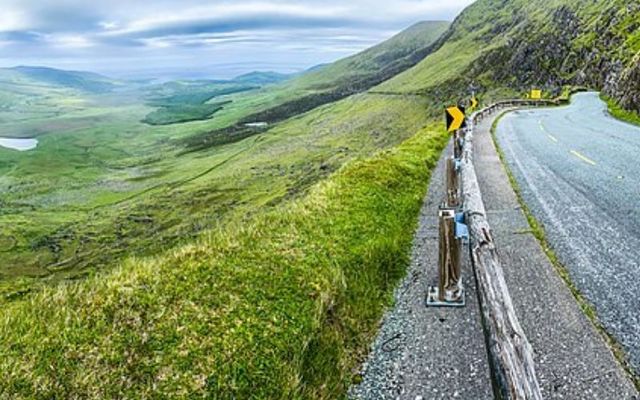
point(243, 238)
point(107, 165)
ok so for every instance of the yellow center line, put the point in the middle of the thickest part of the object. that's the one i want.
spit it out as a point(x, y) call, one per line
point(552, 138)
point(583, 158)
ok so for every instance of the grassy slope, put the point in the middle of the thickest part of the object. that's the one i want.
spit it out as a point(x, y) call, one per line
point(57, 213)
point(279, 300)
point(184, 101)
point(278, 307)
point(617, 111)
point(371, 61)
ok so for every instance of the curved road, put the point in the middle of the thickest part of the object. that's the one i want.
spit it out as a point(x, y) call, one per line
point(579, 171)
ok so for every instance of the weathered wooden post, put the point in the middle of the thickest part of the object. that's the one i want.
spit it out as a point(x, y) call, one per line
point(453, 183)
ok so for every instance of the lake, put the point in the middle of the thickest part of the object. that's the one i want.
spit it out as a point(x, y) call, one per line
point(18, 144)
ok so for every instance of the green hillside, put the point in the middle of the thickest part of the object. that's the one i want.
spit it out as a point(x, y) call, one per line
point(376, 64)
point(507, 47)
point(329, 83)
point(327, 198)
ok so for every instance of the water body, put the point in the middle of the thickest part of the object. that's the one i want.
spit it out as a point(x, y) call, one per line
point(18, 144)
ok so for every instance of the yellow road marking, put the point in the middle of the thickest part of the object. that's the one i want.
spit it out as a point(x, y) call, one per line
point(583, 158)
point(552, 138)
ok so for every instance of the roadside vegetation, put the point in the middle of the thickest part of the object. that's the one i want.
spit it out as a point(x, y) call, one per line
point(280, 305)
point(255, 268)
point(102, 185)
point(617, 111)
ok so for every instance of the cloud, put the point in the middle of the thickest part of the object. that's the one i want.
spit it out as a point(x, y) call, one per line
point(224, 16)
point(189, 33)
point(70, 41)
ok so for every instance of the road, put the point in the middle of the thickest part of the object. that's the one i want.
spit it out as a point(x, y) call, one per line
point(579, 172)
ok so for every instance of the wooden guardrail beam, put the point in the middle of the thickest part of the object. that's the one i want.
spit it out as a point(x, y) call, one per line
point(511, 354)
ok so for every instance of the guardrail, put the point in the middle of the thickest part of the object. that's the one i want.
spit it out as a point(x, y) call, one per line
point(478, 116)
point(510, 353)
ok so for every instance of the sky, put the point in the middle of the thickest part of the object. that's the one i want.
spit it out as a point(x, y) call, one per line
point(199, 38)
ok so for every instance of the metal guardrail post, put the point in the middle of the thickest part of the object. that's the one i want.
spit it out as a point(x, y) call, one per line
point(450, 291)
point(458, 143)
point(452, 231)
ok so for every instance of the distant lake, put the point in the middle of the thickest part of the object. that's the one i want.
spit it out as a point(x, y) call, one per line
point(18, 144)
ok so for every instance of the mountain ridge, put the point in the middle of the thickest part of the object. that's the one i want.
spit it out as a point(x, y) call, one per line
point(81, 80)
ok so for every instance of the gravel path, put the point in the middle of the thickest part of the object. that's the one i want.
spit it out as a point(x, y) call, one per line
point(427, 353)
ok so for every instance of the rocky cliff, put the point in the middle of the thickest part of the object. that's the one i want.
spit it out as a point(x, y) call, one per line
point(517, 44)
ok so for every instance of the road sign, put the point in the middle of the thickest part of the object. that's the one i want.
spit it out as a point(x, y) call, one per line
point(536, 94)
point(474, 102)
point(455, 118)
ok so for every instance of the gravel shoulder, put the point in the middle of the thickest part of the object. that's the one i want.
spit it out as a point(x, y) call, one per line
point(428, 353)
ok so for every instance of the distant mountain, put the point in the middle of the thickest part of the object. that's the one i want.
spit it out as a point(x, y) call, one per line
point(262, 78)
point(316, 67)
point(328, 83)
point(355, 74)
point(376, 64)
point(85, 81)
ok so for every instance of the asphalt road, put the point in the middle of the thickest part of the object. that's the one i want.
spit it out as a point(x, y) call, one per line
point(579, 172)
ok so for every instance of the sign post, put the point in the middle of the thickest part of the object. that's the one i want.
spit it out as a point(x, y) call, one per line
point(452, 230)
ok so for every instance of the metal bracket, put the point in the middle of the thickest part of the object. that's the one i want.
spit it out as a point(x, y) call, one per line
point(454, 298)
point(462, 230)
point(458, 164)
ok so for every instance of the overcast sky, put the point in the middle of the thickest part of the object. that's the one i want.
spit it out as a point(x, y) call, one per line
point(201, 38)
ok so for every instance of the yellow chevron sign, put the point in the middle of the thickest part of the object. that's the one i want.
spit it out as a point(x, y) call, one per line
point(536, 94)
point(474, 102)
point(455, 118)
